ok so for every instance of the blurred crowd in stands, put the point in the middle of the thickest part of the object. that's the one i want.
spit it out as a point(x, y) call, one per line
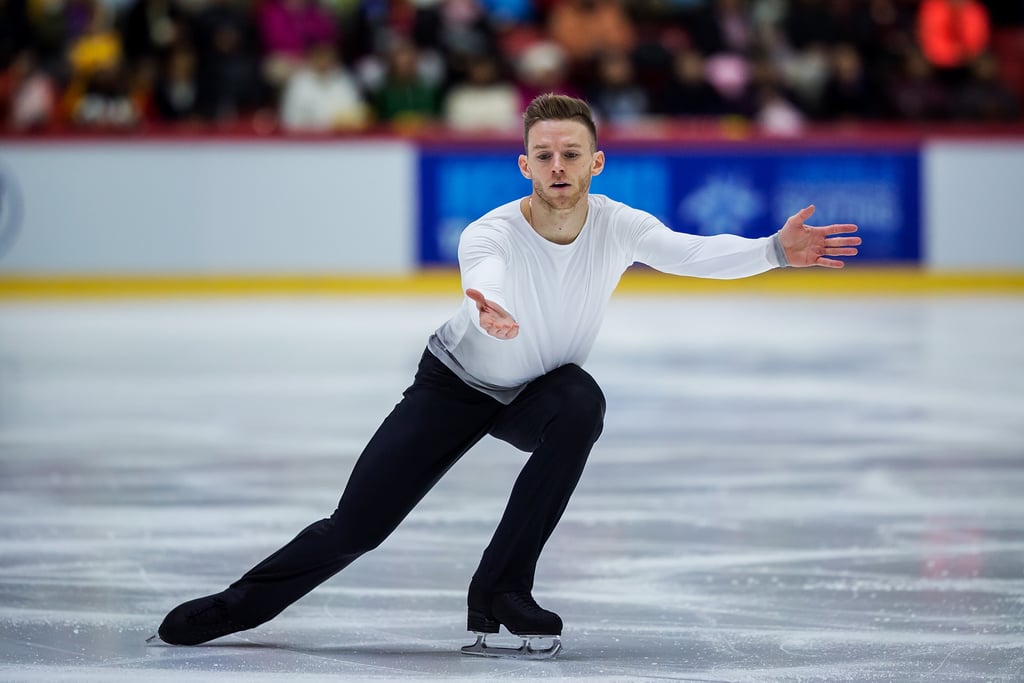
point(344, 65)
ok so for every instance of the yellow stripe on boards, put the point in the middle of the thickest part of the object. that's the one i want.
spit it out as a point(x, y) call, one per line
point(853, 281)
point(143, 286)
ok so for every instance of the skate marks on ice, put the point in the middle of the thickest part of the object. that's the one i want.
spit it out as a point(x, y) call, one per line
point(785, 490)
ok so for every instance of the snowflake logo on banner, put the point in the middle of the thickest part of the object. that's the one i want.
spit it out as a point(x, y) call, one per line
point(723, 204)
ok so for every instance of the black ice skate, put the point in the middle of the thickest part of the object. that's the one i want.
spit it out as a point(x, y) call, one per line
point(197, 621)
point(523, 617)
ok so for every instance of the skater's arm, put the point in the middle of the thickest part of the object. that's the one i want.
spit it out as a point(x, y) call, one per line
point(732, 256)
point(722, 257)
point(482, 260)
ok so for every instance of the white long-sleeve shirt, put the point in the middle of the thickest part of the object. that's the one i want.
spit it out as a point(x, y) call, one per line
point(558, 293)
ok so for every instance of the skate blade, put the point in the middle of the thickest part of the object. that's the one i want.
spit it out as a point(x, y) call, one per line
point(153, 639)
point(525, 651)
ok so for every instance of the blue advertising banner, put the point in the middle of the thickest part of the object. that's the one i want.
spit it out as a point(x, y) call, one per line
point(749, 193)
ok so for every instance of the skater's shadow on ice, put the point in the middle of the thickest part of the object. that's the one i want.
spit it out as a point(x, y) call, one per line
point(379, 653)
point(368, 650)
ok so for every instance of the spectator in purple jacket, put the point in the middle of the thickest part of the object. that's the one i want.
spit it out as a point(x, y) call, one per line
point(289, 28)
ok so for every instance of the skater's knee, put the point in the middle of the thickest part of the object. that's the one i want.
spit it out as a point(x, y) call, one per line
point(583, 401)
point(566, 403)
point(364, 546)
point(352, 539)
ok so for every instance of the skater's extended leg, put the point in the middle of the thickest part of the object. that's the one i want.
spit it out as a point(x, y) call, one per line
point(559, 417)
point(437, 421)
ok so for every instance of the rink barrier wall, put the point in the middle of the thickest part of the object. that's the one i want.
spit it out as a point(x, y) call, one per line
point(87, 208)
point(229, 217)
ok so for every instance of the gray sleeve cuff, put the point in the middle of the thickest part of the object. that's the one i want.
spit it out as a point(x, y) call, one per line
point(776, 251)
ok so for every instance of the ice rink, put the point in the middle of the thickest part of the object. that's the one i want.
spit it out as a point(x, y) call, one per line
point(787, 489)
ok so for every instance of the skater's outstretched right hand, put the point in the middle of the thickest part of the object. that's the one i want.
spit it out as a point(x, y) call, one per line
point(494, 319)
point(806, 245)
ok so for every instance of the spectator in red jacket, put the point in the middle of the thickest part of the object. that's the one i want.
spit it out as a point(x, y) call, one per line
point(952, 32)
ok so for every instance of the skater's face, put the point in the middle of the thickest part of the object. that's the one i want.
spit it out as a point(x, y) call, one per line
point(560, 160)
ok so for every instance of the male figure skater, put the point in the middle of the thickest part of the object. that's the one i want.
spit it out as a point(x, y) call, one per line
point(538, 273)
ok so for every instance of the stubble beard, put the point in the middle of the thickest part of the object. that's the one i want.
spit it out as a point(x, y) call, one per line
point(561, 202)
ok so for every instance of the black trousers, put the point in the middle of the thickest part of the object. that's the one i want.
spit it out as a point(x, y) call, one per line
point(558, 417)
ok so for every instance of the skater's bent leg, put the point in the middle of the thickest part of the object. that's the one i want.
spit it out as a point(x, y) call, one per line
point(559, 417)
point(437, 421)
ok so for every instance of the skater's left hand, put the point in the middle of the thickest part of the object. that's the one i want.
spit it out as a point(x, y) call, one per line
point(806, 245)
point(494, 319)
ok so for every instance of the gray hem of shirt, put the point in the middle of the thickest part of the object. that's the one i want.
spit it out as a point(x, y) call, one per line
point(503, 395)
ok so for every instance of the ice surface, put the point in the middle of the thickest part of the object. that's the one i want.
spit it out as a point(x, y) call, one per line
point(786, 489)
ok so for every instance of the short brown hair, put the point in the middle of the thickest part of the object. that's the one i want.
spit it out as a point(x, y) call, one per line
point(552, 107)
